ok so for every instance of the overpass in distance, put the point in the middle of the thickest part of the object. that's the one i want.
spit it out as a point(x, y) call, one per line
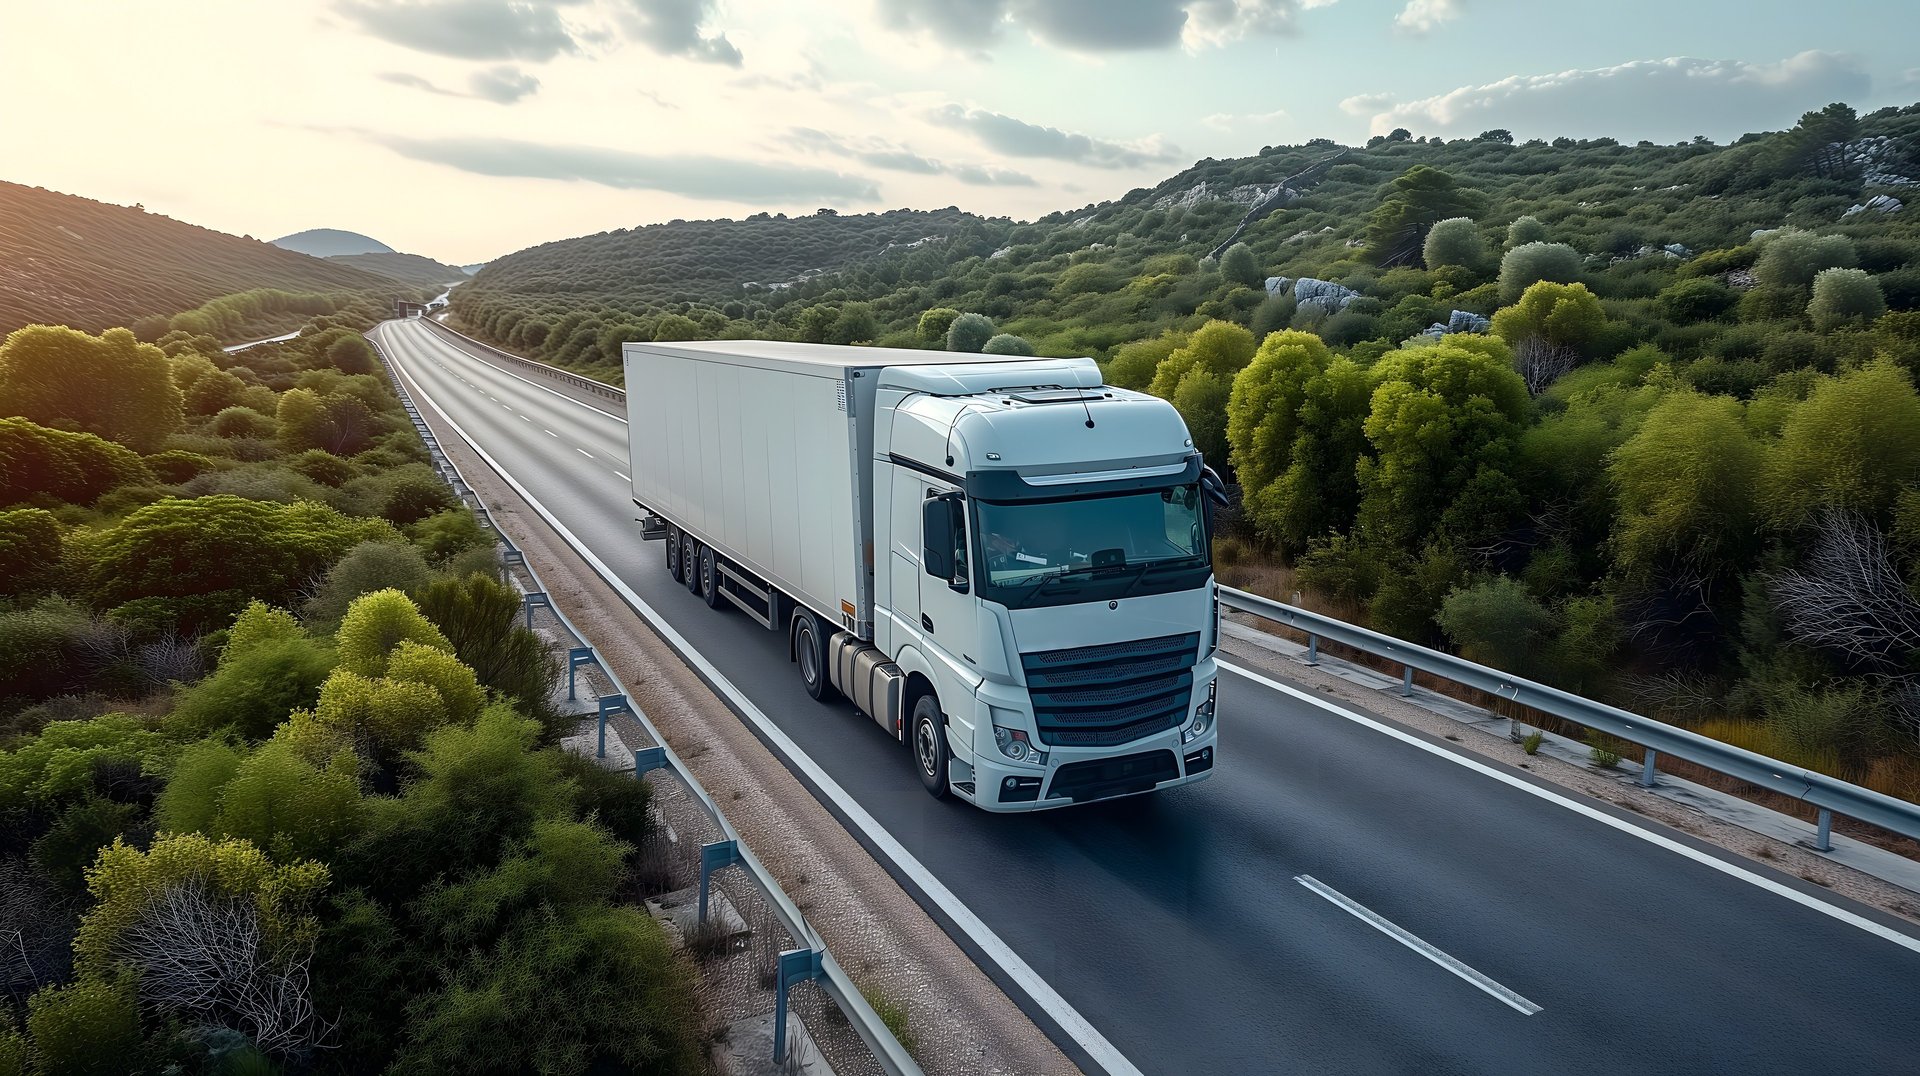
point(1335, 899)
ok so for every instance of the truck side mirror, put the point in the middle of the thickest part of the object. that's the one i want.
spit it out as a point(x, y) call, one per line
point(936, 537)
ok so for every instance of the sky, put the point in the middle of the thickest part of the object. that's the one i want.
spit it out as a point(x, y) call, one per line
point(467, 129)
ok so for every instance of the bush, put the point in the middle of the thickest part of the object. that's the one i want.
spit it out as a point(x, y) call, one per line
point(1454, 241)
point(376, 623)
point(1697, 299)
point(1525, 230)
point(454, 682)
point(110, 385)
point(254, 690)
point(365, 568)
point(480, 616)
point(934, 323)
point(1496, 623)
point(1789, 260)
point(73, 467)
point(445, 535)
point(1530, 263)
point(351, 355)
point(70, 760)
point(91, 1028)
point(69, 847)
point(1845, 298)
point(30, 553)
point(1604, 750)
point(1007, 344)
point(1557, 316)
point(415, 497)
point(323, 467)
point(41, 648)
point(1133, 365)
point(279, 802)
point(177, 467)
point(1238, 266)
point(191, 801)
point(244, 422)
point(969, 332)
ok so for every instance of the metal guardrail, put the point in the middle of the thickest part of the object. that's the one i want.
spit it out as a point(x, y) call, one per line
point(584, 384)
point(1829, 794)
point(813, 961)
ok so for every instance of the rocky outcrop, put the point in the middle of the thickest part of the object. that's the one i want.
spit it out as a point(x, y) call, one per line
point(1247, 194)
point(1459, 321)
point(1879, 203)
point(1324, 294)
point(1277, 285)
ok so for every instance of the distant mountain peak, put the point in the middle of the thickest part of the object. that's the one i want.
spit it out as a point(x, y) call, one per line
point(330, 242)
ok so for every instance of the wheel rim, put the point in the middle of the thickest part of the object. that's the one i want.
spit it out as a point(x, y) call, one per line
point(809, 658)
point(925, 747)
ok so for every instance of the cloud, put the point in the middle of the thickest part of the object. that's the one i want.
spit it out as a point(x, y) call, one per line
point(691, 175)
point(1229, 121)
point(672, 28)
point(879, 153)
point(503, 85)
point(1663, 100)
point(1094, 25)
point(465, 29)
point(1366, 104)
point(1425, 16)
point(1018, 138)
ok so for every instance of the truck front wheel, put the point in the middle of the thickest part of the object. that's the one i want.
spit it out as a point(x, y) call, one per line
point(930, 751)
point(810, 650)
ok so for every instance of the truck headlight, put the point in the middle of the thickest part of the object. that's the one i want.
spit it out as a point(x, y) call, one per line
point(1015, 745)
point(1202, 722)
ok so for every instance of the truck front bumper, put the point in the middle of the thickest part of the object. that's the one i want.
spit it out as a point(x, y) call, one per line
point(1087, 776)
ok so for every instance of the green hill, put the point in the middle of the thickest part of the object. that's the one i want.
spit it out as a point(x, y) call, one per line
point(92, 265)
point(408, 268)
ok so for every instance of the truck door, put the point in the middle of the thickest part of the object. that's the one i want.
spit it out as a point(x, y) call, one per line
point(946, 597)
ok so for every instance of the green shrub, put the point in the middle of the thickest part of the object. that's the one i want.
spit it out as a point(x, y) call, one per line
point(259, 623)
point(110, 385)
point(1789, 260)
point(445, 535)
point(1845, 298)
point(375, 623)
point(415, 497)
point(37, 462)
point(1496, 623)
point(323, 467)
point(1133, 365)
point(1525, 230)
point(90, 1028)
point(191, 801)
point(177, 467)
point(1531, 263)
point(293, 809)
point(1007, 344)
point(1454, 241)
point(69, 847)
point(41, 648)
point(1531, 743)
point(243, 422)
point(1697, 299)
point(70, 760)
point(30, 552)
point(933, 325)
point(480, 616)
point(969, 332)
point(367, 567)
point(458, 688)
point(1604, 750)
point(253, 691)
point(609, 797)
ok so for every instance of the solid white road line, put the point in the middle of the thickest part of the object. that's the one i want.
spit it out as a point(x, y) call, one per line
point(1075, 1026)
point(1660, 840)
point(1386, 926)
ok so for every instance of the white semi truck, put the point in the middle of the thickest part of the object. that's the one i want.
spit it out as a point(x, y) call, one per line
point(1000, 560)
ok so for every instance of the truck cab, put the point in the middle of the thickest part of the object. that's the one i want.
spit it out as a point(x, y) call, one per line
point(1043, 581)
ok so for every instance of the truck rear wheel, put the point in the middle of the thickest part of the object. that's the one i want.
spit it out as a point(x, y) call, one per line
point(710, 579)
point(930, 751)
point(690, 563)
point(810, 651)
point(673, 553)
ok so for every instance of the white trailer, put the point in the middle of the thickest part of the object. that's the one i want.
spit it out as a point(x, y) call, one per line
point(949, 544)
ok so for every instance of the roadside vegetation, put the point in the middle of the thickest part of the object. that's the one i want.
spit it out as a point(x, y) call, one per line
point(279, 788)
point(1638, 420)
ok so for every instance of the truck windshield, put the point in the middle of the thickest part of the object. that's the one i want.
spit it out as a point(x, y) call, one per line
point(1025, 544)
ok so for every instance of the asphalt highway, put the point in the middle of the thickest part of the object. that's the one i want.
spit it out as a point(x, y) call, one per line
point(1335, 899)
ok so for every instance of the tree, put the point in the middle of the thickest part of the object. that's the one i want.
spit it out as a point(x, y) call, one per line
point(1415, 200)
point(1454, 241)
point(1525, 230)
point(855, 324)
point(1550, 329)
point(1220, 347)
point(933, 325)
point(352, 355)
point(1685, 485)
point(1498, 134)
point(1238, 266)
point(1007, 344)
point(1845, 298)
point(677, 327)
point(1817, 145)
point(1133, 365)
point(1263, 412)
point(335, 422)
point(111, 385)
point(1319, 492)
point(1201, 398)
point(1530, 263)
point(1443, 423)
point(1790, 259)
point(814, 323)
point(969, 332)
point(1852, 446)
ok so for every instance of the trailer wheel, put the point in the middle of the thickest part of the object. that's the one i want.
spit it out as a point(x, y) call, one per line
point(930, 751)
point(673, 553)
point(690, 562)
point(810, 650)
point(710, 579)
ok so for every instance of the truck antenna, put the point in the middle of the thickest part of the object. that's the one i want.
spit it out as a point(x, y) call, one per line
point(1088, 410)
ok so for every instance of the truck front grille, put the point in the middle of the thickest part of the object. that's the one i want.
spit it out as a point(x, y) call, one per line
point(1115, 693)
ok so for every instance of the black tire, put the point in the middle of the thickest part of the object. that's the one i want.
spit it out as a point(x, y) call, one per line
point(710, 580)
point(928, 741)
point(690, 563)
point(673, 553)
point(810, 651)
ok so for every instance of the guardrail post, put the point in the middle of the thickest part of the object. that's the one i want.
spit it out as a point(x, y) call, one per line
point(576, 657)
point(1313, 649)
point(648, 759)
point(609, 705)
point(713, 857)
point(533, 598)
point(1823, 834)
point(1406, 680)
point(1646, 768)
point(796, 966)
point(512, 557)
